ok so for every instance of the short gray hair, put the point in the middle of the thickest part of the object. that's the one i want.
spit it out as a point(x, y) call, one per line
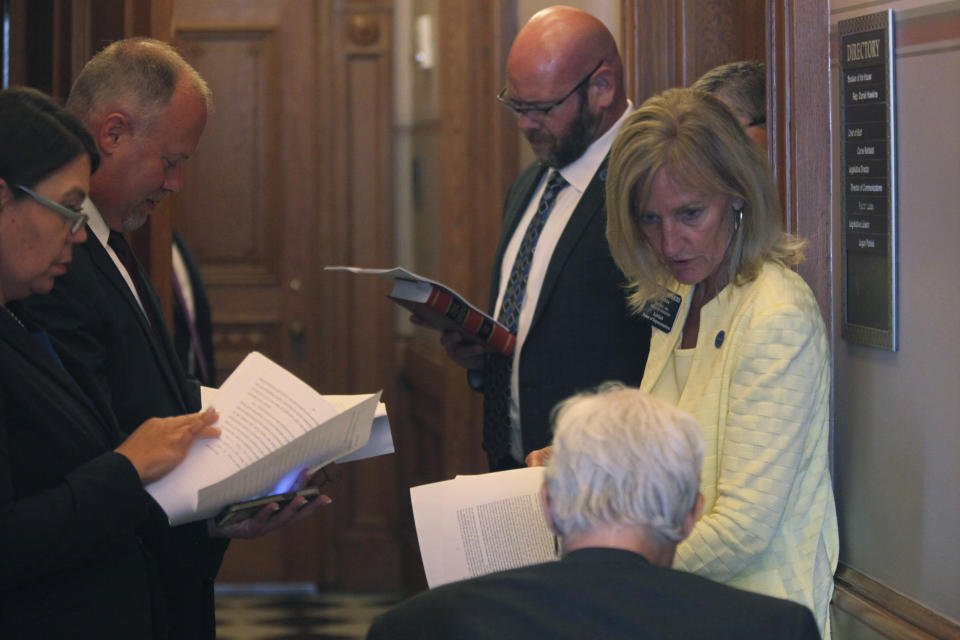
point(622, 457)
point(742, 85)
point(142, 70)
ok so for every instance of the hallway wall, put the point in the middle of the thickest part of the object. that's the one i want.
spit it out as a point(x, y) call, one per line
point(897, 430)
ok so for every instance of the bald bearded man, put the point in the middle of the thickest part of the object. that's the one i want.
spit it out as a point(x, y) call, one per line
point(554, 282)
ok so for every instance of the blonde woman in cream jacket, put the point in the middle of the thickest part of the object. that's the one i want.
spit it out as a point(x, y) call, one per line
point(738, 341)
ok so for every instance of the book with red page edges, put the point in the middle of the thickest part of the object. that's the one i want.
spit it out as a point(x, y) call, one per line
point(442, 308)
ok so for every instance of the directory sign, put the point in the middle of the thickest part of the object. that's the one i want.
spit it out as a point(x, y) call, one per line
point(868, 163)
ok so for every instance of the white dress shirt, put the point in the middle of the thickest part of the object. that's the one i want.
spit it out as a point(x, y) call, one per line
point(578, 174)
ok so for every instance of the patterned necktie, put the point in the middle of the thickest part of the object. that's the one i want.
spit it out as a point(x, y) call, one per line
point(119, 245)
point(496, 379)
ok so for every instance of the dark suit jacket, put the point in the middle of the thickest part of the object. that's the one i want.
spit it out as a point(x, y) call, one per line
point(594, 593)
point(71, 560)
point(202, 318)
point(582, 332)
point(96, 325)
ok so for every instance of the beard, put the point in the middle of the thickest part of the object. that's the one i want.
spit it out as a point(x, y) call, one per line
point(141, 213)
point(569, 146)
point(137, 219)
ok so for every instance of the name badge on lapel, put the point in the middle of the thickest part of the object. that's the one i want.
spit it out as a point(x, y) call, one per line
point(663, 313)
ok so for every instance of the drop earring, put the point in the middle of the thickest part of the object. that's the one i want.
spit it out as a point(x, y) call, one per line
point(739, 219)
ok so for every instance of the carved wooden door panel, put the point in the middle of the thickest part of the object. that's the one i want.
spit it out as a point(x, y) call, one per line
point(286, 168)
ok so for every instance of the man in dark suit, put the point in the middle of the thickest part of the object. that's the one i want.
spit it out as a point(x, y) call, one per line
point(621, 490)
point(554, 282)
point(145, 108)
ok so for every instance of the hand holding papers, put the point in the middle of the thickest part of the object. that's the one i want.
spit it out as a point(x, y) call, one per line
point(440, 307)
point(473, 525)
point(271, 423)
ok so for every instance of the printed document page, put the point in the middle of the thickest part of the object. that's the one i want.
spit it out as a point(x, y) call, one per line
point(473, 525)
point(271, 422)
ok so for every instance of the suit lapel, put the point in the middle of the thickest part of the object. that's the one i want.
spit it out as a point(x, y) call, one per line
point(162, 352)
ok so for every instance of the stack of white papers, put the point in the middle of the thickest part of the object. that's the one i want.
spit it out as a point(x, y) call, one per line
point(473, 525)
point(272, 425)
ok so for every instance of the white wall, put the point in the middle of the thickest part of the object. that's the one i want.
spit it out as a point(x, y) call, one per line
point(897, 433)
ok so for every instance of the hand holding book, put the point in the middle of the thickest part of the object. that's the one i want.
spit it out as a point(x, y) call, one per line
point(466, 350)
point(440, 307)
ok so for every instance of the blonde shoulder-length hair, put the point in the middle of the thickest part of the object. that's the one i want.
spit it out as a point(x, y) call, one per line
point(704, 147)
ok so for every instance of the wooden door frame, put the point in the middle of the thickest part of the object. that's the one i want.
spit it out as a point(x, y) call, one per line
point(798, 120)
point(798, 57)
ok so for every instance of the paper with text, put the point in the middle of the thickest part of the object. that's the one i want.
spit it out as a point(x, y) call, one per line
point(271, 422)
point(473, 525)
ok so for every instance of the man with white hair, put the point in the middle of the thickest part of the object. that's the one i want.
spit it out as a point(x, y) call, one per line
point(621, 490)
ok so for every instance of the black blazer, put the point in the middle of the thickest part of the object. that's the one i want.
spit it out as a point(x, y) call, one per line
point(594, 593)
point(71, 511)
point(582, 332)
point(96, 325)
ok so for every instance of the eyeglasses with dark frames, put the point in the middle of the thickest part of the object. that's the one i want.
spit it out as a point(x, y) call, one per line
point(543, 109)
point(78, 219)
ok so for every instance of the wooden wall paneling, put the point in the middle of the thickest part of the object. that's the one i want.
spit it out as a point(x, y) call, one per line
point(670, 43)
point(249, 213)
point(366, 533)
point(228, 210)
point(651, 46)
point(40, 49)
point(798, 122)
point(469, 154)
point(419, 436)
point(890, 613)
point(61, 49)
point(161, 19)
point(474, 40)
point(81, 37)
point(719, 31)
point(4, 43)
point(17, 13)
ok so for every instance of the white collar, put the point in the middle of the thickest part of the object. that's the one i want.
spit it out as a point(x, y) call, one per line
point(96, 222)
point(580, 172)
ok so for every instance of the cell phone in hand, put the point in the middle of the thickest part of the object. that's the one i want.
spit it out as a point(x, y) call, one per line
point(240, 511)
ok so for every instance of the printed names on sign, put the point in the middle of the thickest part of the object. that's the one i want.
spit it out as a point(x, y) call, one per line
point(868, 178)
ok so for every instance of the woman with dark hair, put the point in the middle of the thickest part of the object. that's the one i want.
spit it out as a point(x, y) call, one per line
point(694, 221)
point(72, 502)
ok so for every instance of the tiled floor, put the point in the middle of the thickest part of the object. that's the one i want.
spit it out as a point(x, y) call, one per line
point(262, 614)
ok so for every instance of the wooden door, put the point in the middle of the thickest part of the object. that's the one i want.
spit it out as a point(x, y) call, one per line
point(293, 173)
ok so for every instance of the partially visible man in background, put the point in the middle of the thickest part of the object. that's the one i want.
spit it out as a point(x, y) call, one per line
point(742, 86)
